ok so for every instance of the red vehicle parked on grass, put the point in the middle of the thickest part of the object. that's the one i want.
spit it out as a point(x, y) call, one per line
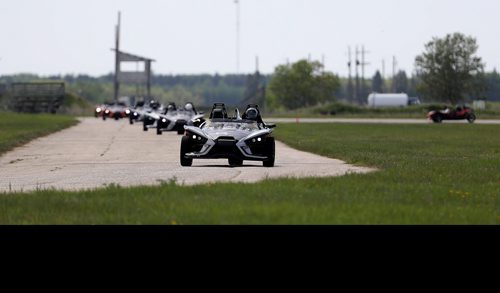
point(461, 112)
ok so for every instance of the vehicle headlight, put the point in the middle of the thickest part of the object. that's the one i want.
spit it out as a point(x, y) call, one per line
point(98, 110)
point(127, 112)
point(259, 139)
point(164, 120)
point(107, 111)
point(135, 114)
point(195, 137)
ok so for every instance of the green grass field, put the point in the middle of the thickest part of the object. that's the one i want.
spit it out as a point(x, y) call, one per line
point(18, 129)
point(429, 174)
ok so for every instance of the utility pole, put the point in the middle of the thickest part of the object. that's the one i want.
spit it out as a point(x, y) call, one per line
point(363, 62)
point(363, 65)
point(383, 68)
point(394, 68)
point(323, 58)
point(356, 88)
point(257, 63)
point(237, 2)
point(350, 92)
point(117, 58)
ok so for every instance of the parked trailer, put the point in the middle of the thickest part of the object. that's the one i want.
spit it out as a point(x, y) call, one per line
point(388, 100)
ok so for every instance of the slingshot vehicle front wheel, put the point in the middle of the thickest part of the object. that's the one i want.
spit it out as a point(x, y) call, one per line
point(271, 148)
point(185, 148)
point(235, 162)
point(471, 118)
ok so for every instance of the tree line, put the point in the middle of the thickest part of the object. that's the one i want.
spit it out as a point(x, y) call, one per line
point(448, 70)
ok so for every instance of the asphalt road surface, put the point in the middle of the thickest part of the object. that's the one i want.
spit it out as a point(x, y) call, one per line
point(97, 153)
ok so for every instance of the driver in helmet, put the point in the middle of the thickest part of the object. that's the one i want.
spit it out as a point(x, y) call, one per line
point(154, 105)
point(253, 114)
point(189, 107)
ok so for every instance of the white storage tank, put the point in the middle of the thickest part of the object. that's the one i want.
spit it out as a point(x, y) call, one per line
point(376, 100)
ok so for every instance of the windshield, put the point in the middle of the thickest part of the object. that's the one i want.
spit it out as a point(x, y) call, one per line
point(240, 125)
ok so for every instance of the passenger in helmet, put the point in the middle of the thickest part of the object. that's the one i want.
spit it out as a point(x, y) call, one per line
point(154, 104)
point(189, 107)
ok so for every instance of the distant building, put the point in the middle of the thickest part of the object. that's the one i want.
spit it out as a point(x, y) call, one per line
point(479, 105)
point(37, 97)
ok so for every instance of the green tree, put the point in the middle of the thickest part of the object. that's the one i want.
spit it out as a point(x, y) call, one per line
point(302, 84)
point(449, 69)
point(400, 82)
point(378, 83)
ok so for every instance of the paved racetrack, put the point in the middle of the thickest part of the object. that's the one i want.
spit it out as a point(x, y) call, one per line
point(96, 153)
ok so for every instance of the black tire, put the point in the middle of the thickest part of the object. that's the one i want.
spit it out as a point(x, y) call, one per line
point(185, 148)
point(144, 126)
point(271, 148)
point(235, 162)
point(104, 116)
point(158, 131)
point(471, 118)
point(438, 119)
point(131, 121)
point(180, 131)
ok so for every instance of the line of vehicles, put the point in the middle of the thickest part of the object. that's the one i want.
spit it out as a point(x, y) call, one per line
point(237, 138)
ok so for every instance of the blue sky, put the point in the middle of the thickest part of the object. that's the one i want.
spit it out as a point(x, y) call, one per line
point(199, 36)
